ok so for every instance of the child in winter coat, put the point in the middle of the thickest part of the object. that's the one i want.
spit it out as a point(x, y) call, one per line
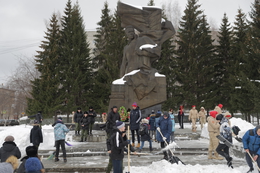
point(152, 126)
point(85, 121)
point(143, 131)
point(36, 134)
point(60, 131)
point(9, 165)
point(226, 132)
point(31, 151)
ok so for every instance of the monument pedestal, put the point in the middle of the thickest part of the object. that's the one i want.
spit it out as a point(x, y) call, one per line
point(124, 92)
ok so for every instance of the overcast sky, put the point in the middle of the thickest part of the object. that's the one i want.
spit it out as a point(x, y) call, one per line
point(23, 22)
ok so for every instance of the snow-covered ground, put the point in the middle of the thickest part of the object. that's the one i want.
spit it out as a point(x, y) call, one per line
point(21, 134)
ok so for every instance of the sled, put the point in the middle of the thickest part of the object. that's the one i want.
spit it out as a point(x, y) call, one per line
point(68, 144)
point(172, 159)
point(225, 141)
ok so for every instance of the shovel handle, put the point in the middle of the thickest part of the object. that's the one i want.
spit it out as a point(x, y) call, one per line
point(253, 160)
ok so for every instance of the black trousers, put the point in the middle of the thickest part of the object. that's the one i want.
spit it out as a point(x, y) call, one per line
point(223, 150)
point(133, 135)
point(62, 144)
point(180, 119)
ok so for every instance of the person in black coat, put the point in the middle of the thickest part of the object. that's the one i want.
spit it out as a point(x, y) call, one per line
point(8, 149)
point(91, 114)
point(36, 135)
point(37, 117)
point(85, 121)
point(112, 117)
point(77, 117)
point(115, 146)
point(145, 136)
point(152, 125)
point(180, 116)
point(135, 118)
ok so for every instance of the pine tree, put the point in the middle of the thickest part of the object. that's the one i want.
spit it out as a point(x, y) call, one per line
point(151, 3)
point(45, 90)
point(193, 57)
point(76, 69)
point(110, 41)
point(224, 64)
point(252, 64)
point(240, 97)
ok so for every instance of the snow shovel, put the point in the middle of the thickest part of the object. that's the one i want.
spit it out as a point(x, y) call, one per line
point(172, 158)
point(128, 149)
point(51, 156)
point(224, 140)
point(253, 160)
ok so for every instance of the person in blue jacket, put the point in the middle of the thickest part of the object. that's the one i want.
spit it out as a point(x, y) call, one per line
point(165, 126)
point(173, 124)
point(251, 143)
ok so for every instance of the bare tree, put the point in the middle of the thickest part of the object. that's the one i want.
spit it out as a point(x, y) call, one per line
point(20, 81)
point(172, 11)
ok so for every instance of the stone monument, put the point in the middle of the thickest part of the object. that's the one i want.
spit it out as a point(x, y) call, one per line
point(140, 82)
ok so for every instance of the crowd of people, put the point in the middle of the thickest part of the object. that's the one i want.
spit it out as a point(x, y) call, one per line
point(158, 127)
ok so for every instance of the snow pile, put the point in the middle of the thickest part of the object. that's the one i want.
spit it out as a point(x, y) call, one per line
point(23, 118)
point(121, 81)
point(166, 167)
point(172, 146)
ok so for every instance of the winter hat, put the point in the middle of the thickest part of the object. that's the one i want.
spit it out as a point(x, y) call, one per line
point(193, 106)
point(219, 117)
point(120, 124)
point(220, 105)
point(227, 114)
point(202, 108)
point(159, 112)
point(145, 121)
point(90, 107)
point(213, 114)
point(114, 107)
point(152, 111)
point(79, 108)
point(165, 114)
point(59, 118)
point(32, 164)
point(31, 151)
point(134, 104)
point(85, 112)
point(9, 139)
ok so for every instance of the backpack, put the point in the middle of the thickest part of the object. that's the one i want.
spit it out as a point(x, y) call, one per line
point(142, 129)
point(235, 130)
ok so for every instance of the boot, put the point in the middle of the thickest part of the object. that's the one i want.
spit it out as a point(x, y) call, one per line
point(85, 139)
point(217, 157)
point(56, 159)
point(133, 144)
point(138, 145)
point(250, 170)
point(165, 155)
point(210, 155)
point(81, 139)
point(151, 149)
point(229, 162)
point(65, 159)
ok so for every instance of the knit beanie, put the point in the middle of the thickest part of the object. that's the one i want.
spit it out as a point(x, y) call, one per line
point(134, 104)
point(219, 117)
point(9, 139)
point(227, 114)
point(220, 105)
point(32, 164)
point(120, 124)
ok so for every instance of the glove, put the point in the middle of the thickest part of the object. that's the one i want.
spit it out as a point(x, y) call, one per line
point(128, 141)
point(164, 138)
point(158, 128)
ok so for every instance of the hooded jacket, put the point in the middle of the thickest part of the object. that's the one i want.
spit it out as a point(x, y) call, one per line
point(252, 142)
point(116, 143)
point(152, 122)
point(78, 116)
point(85, 121)
point(135, 118)
point(60, 131)
point(92, 114)
point(111, 119)
point(193, 114)
point(218, 109)
point(225, 130)
point(146, 136)
point(213, 125)
point(8, 149)
point(165, 127)
point(36, 135)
